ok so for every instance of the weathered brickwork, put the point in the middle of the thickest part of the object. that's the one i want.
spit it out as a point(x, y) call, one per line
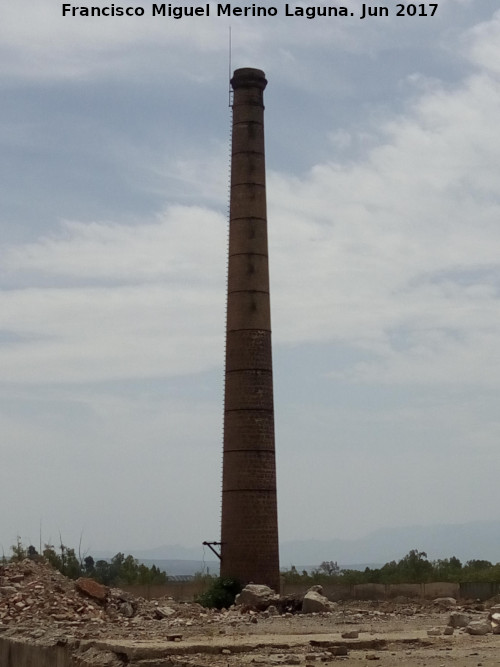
point(248, 310)
point(249, 537)
point(252, 470)
point(248, 272)
point(248, 429)
point(248, 349)
point(248, 235)
point(249, 390)
point(252, 519)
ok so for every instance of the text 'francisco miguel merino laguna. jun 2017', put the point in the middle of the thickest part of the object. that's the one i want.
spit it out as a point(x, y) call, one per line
point(228, 10)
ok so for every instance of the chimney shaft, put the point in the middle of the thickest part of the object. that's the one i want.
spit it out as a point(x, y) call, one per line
point(249, 549)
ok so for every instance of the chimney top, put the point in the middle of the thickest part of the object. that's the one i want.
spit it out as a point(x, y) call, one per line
point(248, 77)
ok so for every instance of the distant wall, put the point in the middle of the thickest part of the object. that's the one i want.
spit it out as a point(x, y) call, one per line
point(183, 591)
point(380, 591)
point(481, 590)
point(188, 590)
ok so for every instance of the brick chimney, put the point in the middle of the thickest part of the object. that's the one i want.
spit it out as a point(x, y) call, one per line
point(249, 535)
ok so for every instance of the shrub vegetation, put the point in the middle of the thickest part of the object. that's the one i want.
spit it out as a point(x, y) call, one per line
point(220, 594)
point(414, 568)
point(121, 570)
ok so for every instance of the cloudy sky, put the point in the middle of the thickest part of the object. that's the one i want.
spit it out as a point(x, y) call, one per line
point(383, 166)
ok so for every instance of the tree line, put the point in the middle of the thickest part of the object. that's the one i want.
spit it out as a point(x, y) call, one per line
point(414, 568)
point(118, 571)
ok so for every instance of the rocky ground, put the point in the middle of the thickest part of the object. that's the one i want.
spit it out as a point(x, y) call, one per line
point(109, 627)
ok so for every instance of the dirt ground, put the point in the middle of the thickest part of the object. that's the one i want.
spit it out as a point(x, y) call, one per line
point(389, 639)
point(111, 628)
point(314, 640)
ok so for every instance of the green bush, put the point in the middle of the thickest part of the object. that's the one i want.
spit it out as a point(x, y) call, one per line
point(220, 594)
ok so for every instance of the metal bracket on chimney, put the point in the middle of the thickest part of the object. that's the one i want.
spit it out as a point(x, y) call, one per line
point(211, 545)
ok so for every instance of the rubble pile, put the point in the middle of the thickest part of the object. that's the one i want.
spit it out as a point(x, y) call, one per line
point(36, 597)
point(31, 591)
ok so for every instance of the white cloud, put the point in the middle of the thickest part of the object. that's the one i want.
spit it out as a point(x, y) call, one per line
point(404, 239)
point(184, 245)
point(148, 301)
point(483, 44)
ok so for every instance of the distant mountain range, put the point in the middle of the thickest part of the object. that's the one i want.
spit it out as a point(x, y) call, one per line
point(467, 541)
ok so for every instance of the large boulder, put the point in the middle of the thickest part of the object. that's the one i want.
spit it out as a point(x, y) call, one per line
point(164, 612)
point(257, 596)
point(92, 589)
point(458, 619)
point(478, 627)
point(315, 602)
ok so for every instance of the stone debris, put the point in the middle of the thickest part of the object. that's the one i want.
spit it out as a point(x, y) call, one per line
point(494, 618)
point(92, 588)
point(445, 603)
point(93, 656)
point(459, 620)
point(37, 599)
point(256, 596)
point(277, 659)
point(482, 627)
point(43, 594)
point(315, 602)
